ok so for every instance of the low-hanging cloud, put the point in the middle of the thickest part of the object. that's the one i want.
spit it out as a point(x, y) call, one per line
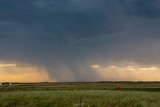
point(65, 37)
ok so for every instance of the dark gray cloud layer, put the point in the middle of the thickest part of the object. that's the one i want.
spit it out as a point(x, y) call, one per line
point(66, 36)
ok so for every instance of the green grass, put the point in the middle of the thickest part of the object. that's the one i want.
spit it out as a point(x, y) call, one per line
point(92, 94)
point(90, 98)
point(46, 86)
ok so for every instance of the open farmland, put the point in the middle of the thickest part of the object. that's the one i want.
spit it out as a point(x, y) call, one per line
point(85, 98)
point(81, 94)
point(133, 86)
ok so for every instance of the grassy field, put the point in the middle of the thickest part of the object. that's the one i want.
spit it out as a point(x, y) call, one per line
point(101, 94)
point(85, 98)
point(132, 86)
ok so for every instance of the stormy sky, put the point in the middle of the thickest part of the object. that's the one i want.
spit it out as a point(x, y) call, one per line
point(81, 40)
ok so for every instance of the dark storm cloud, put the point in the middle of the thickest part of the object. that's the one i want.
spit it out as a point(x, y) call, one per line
point(75, 18)
point(66, 36)
point(147, 8)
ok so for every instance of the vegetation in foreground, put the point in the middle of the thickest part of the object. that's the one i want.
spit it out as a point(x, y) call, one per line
point(81, 94)
point(77, 98)
point(126, 86)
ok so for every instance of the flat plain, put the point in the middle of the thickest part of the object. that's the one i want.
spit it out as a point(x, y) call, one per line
point(81, 94)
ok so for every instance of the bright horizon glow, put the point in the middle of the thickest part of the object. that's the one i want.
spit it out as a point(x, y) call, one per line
point(8, 65)
point(127, 72)
point(13, 73)
point(113, 72)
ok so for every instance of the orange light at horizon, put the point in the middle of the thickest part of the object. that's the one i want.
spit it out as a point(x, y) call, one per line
point(7, 65)
point(13, 73)
point(127, 72)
